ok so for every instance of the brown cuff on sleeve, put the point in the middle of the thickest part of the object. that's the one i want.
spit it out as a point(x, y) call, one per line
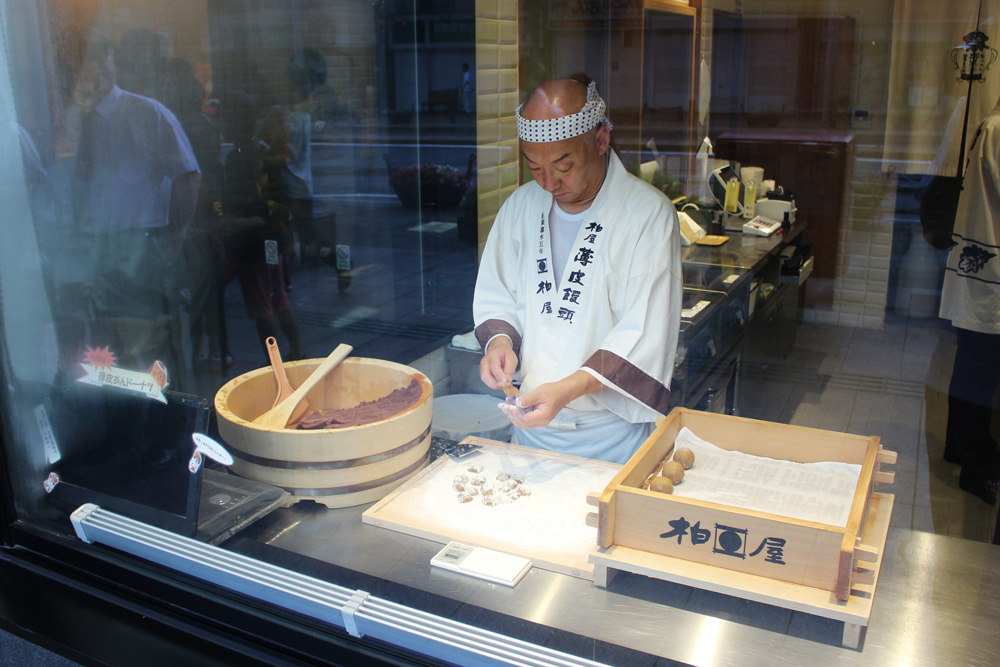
point(630, 379)
point(491, 328)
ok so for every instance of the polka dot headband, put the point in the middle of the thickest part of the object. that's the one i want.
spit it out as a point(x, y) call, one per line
point(557, 129)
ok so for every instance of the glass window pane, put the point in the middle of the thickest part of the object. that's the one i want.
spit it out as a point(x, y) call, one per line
point(186, 181)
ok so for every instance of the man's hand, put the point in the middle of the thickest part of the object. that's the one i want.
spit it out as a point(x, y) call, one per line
point(540, 406)
point(498, 364)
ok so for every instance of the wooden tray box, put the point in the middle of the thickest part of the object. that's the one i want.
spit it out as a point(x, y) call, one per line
point(801, 552)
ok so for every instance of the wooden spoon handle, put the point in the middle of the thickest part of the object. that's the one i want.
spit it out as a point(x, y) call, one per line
point(280, 415)
point(284, 387)
point(322, 370)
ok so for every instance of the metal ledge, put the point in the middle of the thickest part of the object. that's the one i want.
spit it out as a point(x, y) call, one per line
point(355, 611)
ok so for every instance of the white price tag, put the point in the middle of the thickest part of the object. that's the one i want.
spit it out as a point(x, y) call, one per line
point(688, 313)
point(148, 384)
point(482, 563)
point(48, 437)
point(211, 449)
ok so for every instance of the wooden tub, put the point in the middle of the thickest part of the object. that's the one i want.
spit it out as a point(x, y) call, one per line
point(337, 467)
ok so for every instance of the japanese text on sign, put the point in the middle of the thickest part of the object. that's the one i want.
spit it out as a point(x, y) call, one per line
point(726, 540)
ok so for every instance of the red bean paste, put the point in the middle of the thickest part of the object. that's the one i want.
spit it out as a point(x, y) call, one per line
point(367, 412)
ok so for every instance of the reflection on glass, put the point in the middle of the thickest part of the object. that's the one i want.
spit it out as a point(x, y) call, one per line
point(191, 182)
point(182, 182)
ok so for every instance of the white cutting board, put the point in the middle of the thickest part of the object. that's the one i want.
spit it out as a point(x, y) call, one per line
point(548, 526)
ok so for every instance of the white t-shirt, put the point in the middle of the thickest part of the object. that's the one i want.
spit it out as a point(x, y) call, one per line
point(563, 228)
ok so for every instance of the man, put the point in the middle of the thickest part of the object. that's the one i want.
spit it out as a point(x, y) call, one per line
point(580, 284)
point(970, 298)
point(467, 88)
point(129, 181)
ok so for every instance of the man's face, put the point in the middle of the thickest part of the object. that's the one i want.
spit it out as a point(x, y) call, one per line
point(572, 170)
point(95, 81)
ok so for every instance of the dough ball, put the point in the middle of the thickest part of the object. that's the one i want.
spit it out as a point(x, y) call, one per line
point(661, 484)
point(464, 498)
point(673, 470)
point(685, 457)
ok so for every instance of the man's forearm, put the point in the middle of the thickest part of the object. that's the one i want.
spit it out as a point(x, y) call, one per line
point(579, 384)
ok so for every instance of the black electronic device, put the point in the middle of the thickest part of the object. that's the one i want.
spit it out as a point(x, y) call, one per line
point(129, 454)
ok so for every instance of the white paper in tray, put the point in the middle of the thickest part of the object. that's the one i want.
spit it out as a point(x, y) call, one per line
point(820, 492)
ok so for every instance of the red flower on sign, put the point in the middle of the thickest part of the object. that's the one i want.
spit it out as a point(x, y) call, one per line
point(100, 357)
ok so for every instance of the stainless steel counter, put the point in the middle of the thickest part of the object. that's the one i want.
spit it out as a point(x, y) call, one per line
point(937, 601)
point(726, 280)
point(741, 254)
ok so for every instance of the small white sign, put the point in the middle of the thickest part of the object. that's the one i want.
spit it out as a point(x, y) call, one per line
point(688, 313)
point(50, 482)
point(271, 251)
point(344, 257)
point(49, 443)
point(194, 465)
point(495, 566)
point(211, 449)
point(141, 383)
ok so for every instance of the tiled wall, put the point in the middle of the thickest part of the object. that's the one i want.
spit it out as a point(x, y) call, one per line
point(497, 95)
point(341, 31)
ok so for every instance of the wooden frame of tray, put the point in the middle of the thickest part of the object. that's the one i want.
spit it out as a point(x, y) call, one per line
point(854, 612)
point(809, 553)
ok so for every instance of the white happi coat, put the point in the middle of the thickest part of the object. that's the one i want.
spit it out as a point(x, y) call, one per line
point(970, 296)
point(615, 311)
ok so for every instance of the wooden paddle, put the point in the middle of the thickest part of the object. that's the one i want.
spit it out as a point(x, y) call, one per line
point(284, 386)
point(280, 415)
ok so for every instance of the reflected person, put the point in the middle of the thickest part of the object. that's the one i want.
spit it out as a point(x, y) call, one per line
point(140, 64)
point(970, 298)
point(129, 181)
point(286, 133)
point(258, 225)
point(204, 258)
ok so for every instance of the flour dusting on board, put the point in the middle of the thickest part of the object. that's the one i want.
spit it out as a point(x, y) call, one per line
point(535, 503)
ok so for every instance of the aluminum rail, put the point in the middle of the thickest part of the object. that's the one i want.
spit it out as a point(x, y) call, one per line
point(357, 612)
